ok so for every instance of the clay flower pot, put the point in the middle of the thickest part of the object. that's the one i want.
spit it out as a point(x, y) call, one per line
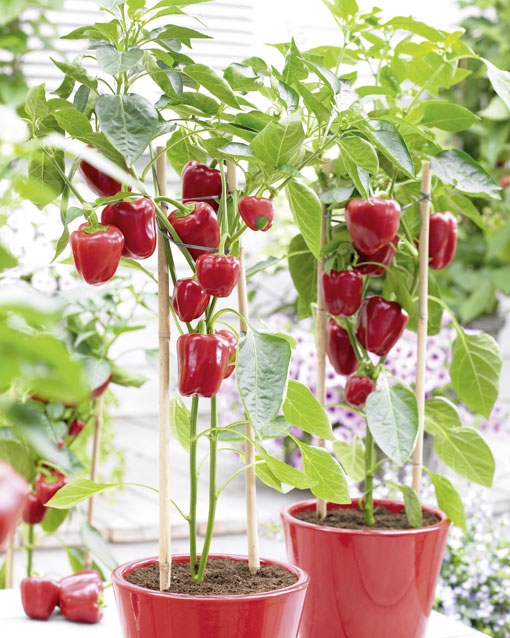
point(152, 614)
point(366, 583)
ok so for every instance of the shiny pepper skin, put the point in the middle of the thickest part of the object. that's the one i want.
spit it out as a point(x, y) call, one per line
point(357, 390)
point(189, 300)
point(136, 220)
point(257, 212)
point(13, 489)
point(34, 510)
point(218, 274)
point(341, 291)
point(383, 256)
point(75, 428)
point(39, 597)
point(339, 349)
point(442, 239)
point(203, 360)
point(372, 224)
point(97, 255)
point(99, 183)
point(380, 324)
point(198, 180)
point(231, 339)
point(46, 487)
point(79, 597)
point(200, 228)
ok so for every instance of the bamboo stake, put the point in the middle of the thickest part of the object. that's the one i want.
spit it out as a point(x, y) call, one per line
point(249, 449)
point(96, 451)
point(9, 559)
point(422, 323)
point(165, 532)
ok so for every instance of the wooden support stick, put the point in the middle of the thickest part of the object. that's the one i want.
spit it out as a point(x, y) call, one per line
point(250, 475)
point(165, 532)
point(96, 452)
point(422, 323)
point(9, 559)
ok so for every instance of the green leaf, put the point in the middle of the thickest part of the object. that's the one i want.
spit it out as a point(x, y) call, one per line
point(448, 499)
point(7, 260)
point(286, 473)
point(265, 474)
point(392, 416)
point(331, 482)
point(168, 81)
point(237, 150)
point(500, 81)
point(128, 121)
point(458, 169)
point(352, 457)
point(114, 61)
point(441, 413)
point(180, 422)
point(42, 170)
point(14, 452)
point(127, 378)
point(360, 178)
point(412, 506)
point(444, 115)
point(132, 264)
point(77, 492)
point(387, 139)
point(475, 370)
point(94, 542)
point(262, 372)
point(53, 520)
point(76, 73)
point(303, 269)
point(464, 205)
point(182, 34)
point(301, 408)
point(261, 265)
point(73, 122)
point(35, 103)
point(181, 150)
point(361, 152)
point(307, 211)
point(466, 452)
point(210, 80)
point(279, 143)
point(343, 9)
point(336, 195)
point(98, 31)
point(419, 28)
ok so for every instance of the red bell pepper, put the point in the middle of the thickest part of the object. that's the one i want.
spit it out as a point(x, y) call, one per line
point(231, 339)
point(339, 349)
point(39, 597)
point(372, 224)
point(13, 489)
point(442, 239)
point(96, 255)
point(80, 596)
point(137, 222)
point(99, 183)
point(203, 360)
point(505, 181)
point(198, 180)
point(82, 577)
point(75, 428)
point(380, 324)
point(48, 486)
point(218, 274)
point(357, 389)
point(257, 212)
point(97, 392)
point(189, 300)
point(383, 256)
point(199, 228)
point(34, 510)
point(341, 290)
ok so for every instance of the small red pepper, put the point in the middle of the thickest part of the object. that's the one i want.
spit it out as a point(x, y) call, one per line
point(137, 222)
point(442, 239)
point(203, 360)
point(199, 228)
point(383, 256)
point(380, 324)
point(96, 255)
point(198, 180)
point(339, 349)
point(341, 290)
point(97, 392)
point(505, 181)
point(230, 337)
point(34, 510)
point(79, 597)
point(39, 597)
point(189, 300)
point(357, 390)
point(257, 212)
point(372, 224)
point(46, 487)
point(218, 274)
point(13, 490)
point(75, 428)
point(99, 183)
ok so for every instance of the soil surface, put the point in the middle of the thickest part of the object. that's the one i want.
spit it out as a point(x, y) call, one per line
point(353, 518)
point(222, 577)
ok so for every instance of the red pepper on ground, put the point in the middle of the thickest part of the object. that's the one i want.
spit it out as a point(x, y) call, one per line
point(442, 239)
point(189, 300)
point(46, 487)
point(230, 337)
point(39, 597)
point(203, 360)
point(137, 222)
point(218, 274)
point(198, 180)
point(339, 349)
point(96, 255)
point(99, 183)
point(75, 428)
point(257, 212)
point(372, 224)
point(342, 290)
point(199, 228)
point(380, 324)
point(383, 256)
point(357, 390)
point(79, 597)
point(13, 489)
point(34, 510)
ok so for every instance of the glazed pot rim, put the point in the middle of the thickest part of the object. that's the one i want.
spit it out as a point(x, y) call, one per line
point(122, 570)
point(288, 516)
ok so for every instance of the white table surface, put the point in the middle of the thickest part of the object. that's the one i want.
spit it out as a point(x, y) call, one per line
point(14, 623)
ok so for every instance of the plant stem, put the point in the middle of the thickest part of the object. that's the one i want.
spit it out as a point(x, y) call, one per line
point(193, 488)
point(368, 507)
point(30, 550)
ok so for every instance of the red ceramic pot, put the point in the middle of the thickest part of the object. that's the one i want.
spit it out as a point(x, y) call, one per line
point(152, 614)
point(366, 583)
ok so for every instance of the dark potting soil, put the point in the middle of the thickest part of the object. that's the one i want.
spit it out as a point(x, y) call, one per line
point(353, 518)
point(222, 577)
